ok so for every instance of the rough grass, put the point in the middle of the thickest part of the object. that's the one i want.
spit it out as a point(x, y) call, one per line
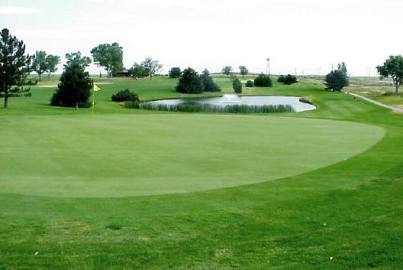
point(195, 107)
point(350, 211)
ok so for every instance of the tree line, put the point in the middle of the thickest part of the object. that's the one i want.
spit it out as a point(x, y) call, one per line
point(75, 82)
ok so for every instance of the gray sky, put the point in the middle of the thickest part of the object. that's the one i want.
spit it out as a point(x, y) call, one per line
point(307, 35)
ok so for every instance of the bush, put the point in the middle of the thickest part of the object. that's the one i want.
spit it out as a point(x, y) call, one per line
point(263, 81)
point(175, 72)
point(249, 83)
point(336, 80)
point(125, 95)
point(74, 87)
point(237, 86)
point(288, 79)
point(190, 82)
point(208, 84)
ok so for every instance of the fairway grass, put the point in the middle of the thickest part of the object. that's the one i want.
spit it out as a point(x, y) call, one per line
point(126, 155)
point(334, 200)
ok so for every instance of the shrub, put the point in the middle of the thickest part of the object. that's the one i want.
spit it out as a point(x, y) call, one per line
point(208, 84)
point(74, 87)
point(263, 81)
point(125, 95)
point(237, 86)
point(189, 82)
point(336, 80)
point(249, 83)
point(288, 79)
point(175, 72)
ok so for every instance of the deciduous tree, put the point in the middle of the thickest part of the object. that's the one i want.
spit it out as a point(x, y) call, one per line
point(51, 64)
point(39, 64)
point(76, 57)
point(152, 66)
point(393, 67)
point(243, 70)
point(109, 56)
point(227, 70)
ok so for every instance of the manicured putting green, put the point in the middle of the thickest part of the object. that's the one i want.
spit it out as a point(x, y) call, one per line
point(132, 155)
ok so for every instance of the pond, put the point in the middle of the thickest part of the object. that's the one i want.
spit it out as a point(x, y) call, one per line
point(231, 100)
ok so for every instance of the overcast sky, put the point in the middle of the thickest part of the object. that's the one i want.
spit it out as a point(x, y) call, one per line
point(304, 35)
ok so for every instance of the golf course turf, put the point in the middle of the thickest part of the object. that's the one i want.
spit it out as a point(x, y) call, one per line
point(313, 190)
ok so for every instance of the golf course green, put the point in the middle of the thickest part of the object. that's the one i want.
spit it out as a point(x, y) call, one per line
point(85, 156)
point(119, 188)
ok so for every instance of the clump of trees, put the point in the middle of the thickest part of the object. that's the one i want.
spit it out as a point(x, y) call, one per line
point(337, 79)
point(125, 95)
point(147, 68)
point(138, 71)
point(109, 56)
point(14, 63)
point(174, 72)
point(393, 67)
point(44, 63)
point(75, 83)
point(207, 81)
point(237, 85)
point(263, 80)
point(227, 70)
point(287, 79)
point(190, 82)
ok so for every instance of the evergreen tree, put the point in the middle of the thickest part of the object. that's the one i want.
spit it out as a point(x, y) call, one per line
point(74, 87)
point(337, 79)
point(208, 84)
point(14, 64)
point(237, 86)
point(263, 81)
point(190, 82)
point(175, 72)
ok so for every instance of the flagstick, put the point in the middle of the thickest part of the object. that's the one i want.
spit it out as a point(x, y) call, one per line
point(93, 100)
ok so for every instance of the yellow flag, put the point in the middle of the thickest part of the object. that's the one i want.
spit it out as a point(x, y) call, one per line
point(95, 88)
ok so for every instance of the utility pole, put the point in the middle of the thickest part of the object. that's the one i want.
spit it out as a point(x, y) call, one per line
point(268, 66)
